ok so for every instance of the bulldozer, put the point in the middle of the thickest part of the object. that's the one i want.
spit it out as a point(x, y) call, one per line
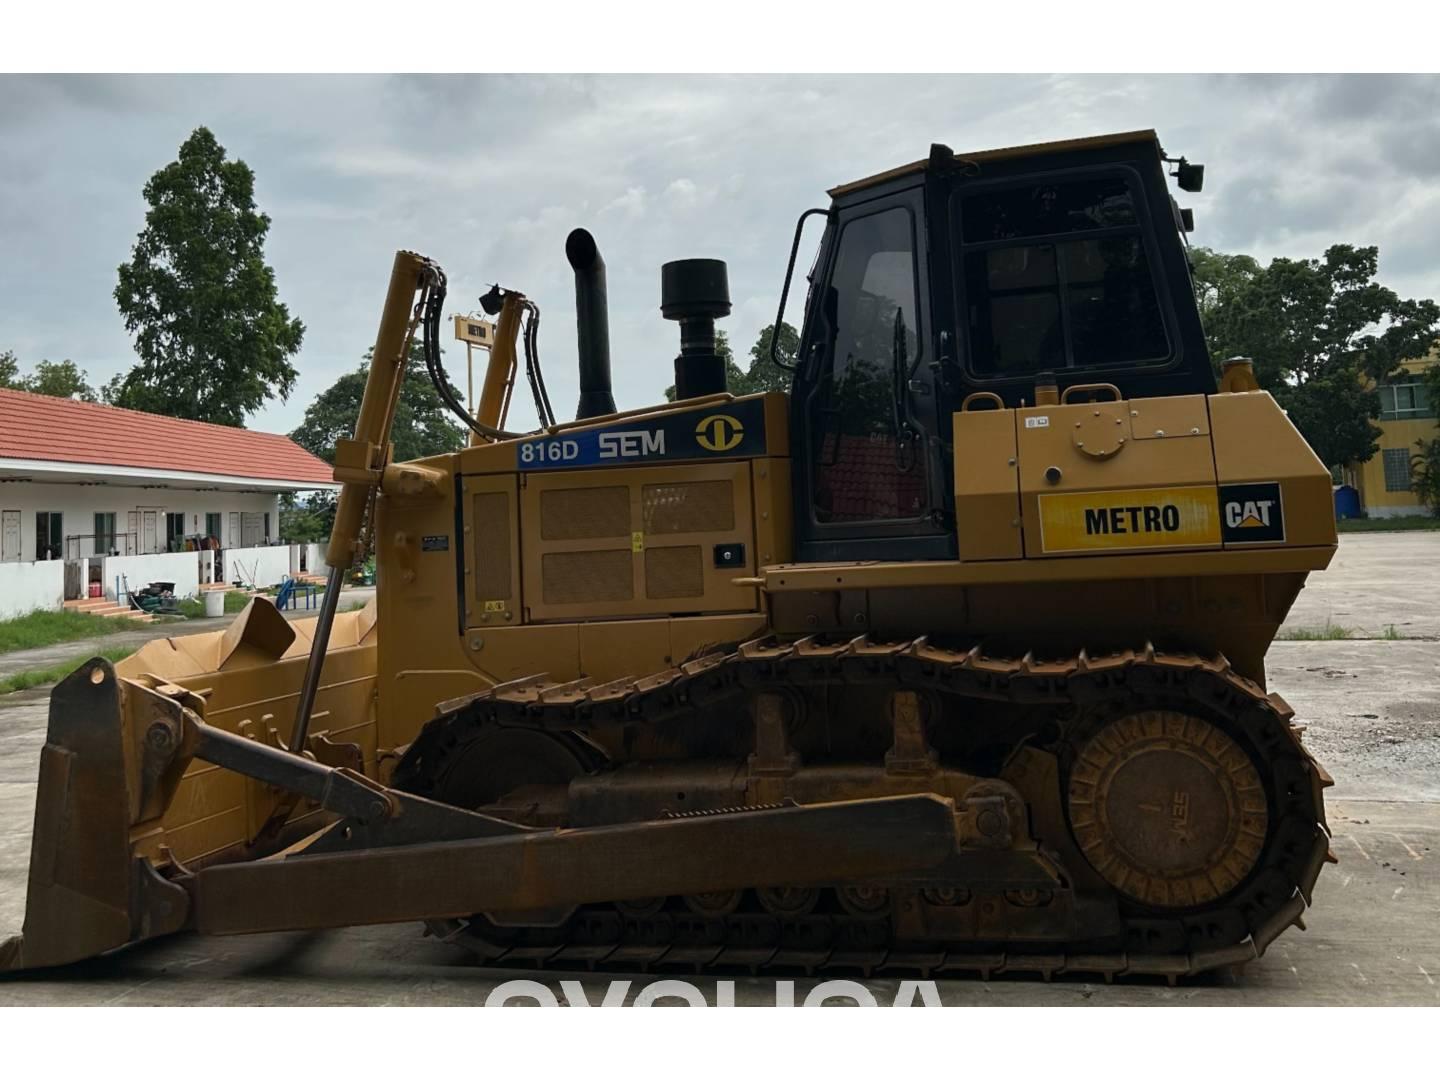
point(949, 659)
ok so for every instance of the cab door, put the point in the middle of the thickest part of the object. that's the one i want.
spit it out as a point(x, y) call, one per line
point(869, 470)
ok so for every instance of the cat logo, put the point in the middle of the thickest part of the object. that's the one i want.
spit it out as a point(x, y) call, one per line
point(1252, 514)
point(719, 432)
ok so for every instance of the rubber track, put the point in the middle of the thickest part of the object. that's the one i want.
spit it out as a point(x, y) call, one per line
point(1274, 897)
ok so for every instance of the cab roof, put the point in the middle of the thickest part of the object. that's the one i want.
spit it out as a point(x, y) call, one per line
point(1092, 142)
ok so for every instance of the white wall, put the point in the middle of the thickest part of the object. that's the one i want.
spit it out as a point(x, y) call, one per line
point(314, 559)
point(182, 567)
point(258, 566)
point(28, 586)
point(78, 503)
point(1394, 511)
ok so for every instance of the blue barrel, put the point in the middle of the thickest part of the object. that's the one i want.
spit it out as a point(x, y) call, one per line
point(1347, 502)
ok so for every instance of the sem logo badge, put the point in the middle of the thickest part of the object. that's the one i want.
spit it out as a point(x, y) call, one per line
point(719, 432)
point(1252, 514)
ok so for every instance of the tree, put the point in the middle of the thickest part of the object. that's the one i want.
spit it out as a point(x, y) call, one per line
point(214, 342)
point(733, 375)
point(762, 374)
point(1425, 474)
point(1425, 462)
point(422, 428)
point(306, 522)
point(60, 379)
point(1322, 333)
point(422, 425)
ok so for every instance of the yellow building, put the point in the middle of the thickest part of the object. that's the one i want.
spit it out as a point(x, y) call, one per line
point(1406, 416)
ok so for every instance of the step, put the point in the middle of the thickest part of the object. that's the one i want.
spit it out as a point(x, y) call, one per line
point(88, 603)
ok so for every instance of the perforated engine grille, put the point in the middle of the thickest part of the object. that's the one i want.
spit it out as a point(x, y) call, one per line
point(697, 506)
point(673, 572)
point(583, 577)
point(584, 513)
point(491, 511)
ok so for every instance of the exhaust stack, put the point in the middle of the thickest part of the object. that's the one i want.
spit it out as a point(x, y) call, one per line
point(694, 293)
point(592, 325)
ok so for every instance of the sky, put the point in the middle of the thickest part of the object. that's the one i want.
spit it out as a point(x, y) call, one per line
point(487, 174)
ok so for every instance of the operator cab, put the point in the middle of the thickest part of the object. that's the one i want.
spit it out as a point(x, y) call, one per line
point(977, 272)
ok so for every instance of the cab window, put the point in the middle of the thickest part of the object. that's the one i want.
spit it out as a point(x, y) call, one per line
point(1056, 275)
point(868, 464)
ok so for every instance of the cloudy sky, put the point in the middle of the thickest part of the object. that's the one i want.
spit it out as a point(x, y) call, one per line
point(488, 174)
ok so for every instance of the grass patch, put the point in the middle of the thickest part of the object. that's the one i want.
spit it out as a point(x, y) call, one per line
point(1334, 632)
point(1329, 632)
point(195, 609)
point(41, 628)
point(24, 680)
point(1411, 523)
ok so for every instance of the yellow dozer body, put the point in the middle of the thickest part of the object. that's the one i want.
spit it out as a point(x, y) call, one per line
point(949, 658)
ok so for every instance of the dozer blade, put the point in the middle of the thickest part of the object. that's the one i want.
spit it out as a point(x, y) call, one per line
point(87, 894)
point(117, 748)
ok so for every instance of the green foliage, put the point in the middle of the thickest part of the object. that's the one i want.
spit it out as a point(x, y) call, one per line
point(306, 521)
point(60, 379)
point(24, 680)
point(1425, 462)
point(214, 342)
point(41, 628)
point(1329, 632)
point(422, 428)
point(194, 607)
point(1318, 331)
point(1425, 474)
point(762, 375)
point(54, 379)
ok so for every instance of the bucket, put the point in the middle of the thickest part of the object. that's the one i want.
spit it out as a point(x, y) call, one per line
point(214, 603)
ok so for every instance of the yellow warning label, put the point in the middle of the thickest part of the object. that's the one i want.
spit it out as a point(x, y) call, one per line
point(1134, 518)
point(637, 541)
point(494, 605)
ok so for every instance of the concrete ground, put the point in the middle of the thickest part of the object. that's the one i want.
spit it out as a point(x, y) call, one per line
point(1376, 580)
point(1373, 710)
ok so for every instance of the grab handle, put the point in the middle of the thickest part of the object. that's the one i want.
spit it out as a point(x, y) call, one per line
point(1090, 386)
point(982, 395)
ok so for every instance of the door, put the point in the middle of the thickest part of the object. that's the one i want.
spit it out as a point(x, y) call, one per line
point(10, 536)
point(252, 530)
point(149, 542)
point(869, 481)
point(232, 539)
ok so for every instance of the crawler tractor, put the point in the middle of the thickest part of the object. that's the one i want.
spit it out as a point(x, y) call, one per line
point(950, 659)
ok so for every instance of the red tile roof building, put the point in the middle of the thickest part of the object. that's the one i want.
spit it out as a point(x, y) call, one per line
point(36, 428)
